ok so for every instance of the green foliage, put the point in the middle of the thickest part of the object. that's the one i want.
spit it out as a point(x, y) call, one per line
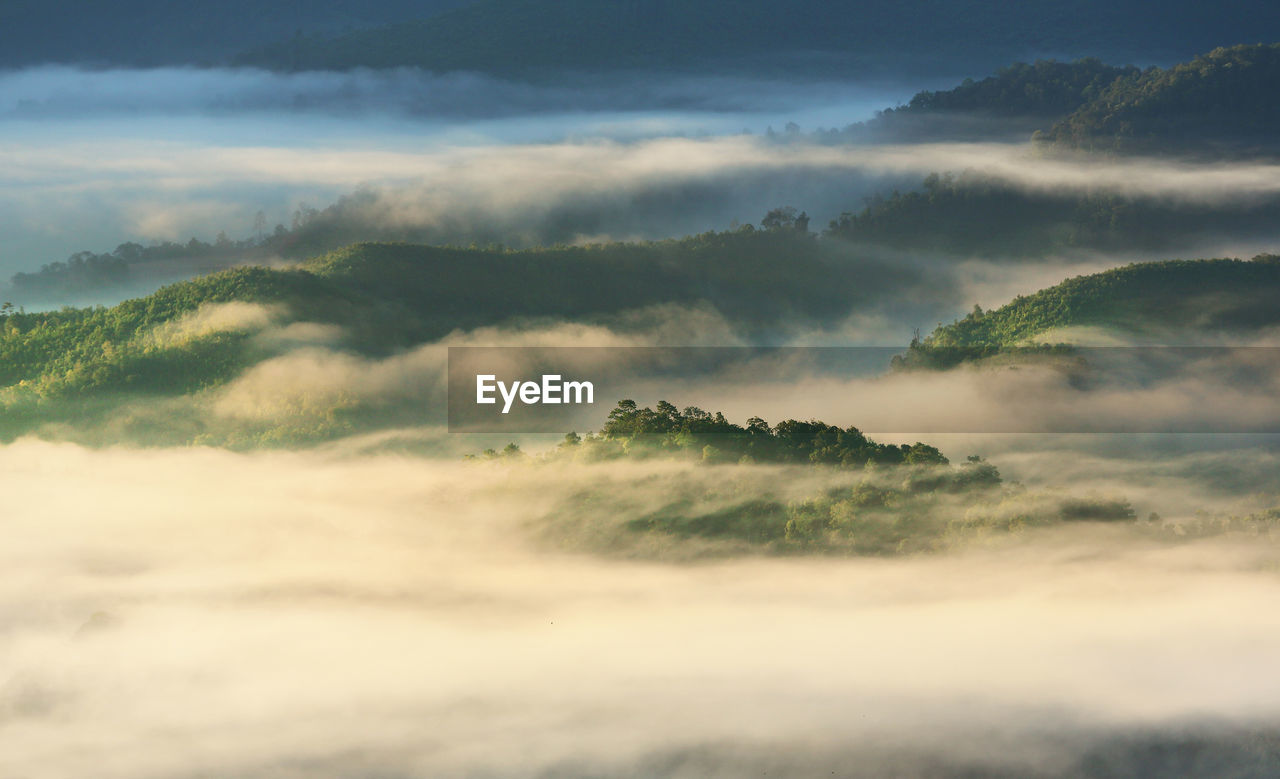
point(665, 430)
point(69, 369)
point(390, 297)
point(976, 214)
point(1222, 102)
point(1045, 88)
point(81, 351)
point(754, 275)
point(1096, 510)
point(886, 510)
point(1011, 104)
point(1222, 294)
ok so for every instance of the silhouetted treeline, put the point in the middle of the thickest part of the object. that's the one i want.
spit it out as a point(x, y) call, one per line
point(82, 272)
point(1009, 105)
point(712, 438)
point(976, 214)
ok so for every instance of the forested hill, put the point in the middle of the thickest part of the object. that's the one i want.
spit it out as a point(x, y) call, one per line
point(988, 216)
point(1010, 104)
point(1220, 102)
point(897, 36)
point(383, 298)
point(1178, 298)
point(100, 369)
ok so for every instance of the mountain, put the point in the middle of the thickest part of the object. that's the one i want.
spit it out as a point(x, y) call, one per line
point(977, 214)
point(1009, 105)
point(1217, 105)
point(1220, 103)
point(1174, 299)
point(79, 367)
point(844, 37)
point(152, 369)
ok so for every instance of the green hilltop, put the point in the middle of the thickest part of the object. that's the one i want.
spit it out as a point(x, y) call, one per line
point(77, 364)
point(1187, 297)
point(1220, 103)
point(75, 369)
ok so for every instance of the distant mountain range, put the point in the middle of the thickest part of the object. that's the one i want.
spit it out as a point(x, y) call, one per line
point(832, 37)
point(528, 37)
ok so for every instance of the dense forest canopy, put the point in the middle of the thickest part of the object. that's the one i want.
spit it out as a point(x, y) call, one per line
point(1223, 295)
point(387, 298)
point(711, 437)
point(390, 297)
point(1045, 88)
point(1010, 104)
point(976, 214)
point(1219, 103)
point(903, 499)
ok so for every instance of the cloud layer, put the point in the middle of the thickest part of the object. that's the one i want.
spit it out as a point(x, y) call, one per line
point(282, 615)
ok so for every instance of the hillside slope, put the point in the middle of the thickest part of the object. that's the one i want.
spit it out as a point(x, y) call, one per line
point(155, 369)
point(1176, 298)
point(1010, 104)
point(976, 214)
point(374, 301)
point(1222, 102)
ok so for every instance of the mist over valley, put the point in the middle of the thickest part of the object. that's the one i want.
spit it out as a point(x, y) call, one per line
point(933, 425)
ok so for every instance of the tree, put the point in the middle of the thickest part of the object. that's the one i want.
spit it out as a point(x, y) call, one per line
point(781, 218)
point(924, 454)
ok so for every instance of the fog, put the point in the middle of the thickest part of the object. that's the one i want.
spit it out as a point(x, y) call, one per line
point(709, 103)
point(348, 609)
point(91, 159)
point(182, 613)
point(94, 158)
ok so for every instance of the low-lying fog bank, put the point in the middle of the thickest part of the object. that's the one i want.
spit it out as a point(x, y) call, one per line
point(202, 613)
